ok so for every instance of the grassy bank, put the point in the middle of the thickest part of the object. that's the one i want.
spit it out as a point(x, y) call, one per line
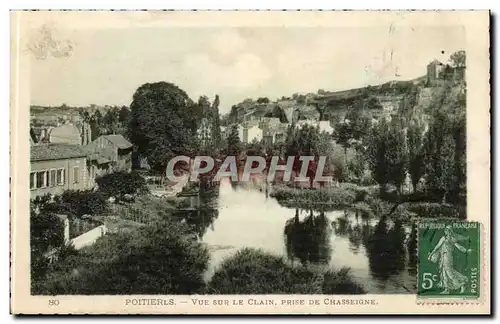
point(322, 198)
point(366, 201)
point(252, 271)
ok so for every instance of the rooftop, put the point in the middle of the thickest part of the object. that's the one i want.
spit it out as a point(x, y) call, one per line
point(45, 152)
point(119, 141)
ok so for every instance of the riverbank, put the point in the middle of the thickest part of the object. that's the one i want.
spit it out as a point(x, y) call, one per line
point(253, 271)
point(329, 198)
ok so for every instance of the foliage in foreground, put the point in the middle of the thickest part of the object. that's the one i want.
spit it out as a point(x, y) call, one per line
point(46, 232)
point(158, 259)
point(73, 203)
point(118, 184)
point(252, 271)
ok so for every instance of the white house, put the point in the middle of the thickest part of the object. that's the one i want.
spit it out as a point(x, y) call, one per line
point(249, 134)
point(324, 126)
point(303, 122)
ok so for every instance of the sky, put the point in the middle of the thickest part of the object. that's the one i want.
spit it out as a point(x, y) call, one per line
point(106, 66)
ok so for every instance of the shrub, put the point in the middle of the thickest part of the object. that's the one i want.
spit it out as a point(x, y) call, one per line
point(434, 210)
point(252, 271)
point(333, 197)
point(341, 282)
point(46, 232)
point(118, 184)
point(156, 259)
point(82, 202)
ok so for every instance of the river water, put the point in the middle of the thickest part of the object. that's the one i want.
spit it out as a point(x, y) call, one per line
point(375, 250)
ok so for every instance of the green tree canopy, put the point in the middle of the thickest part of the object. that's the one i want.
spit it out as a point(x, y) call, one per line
point(458, 59)
point(163, 123)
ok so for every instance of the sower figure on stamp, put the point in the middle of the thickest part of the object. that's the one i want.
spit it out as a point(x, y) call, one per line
point(450, 279)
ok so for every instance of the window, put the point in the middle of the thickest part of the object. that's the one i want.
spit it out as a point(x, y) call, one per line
point(32, 180)
point(76, 174)
point(53, 182)
point(60, 177)
point(42, 179)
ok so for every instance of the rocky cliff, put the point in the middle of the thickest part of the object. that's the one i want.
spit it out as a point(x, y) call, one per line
point(414, 99)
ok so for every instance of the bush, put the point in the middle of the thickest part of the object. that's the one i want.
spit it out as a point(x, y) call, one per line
point(341, 282)
point(252, 271)
point(332, 197)
point(119, 184)
point(434, 210)
point(156, 259)
point(46, 232)
point(82, 202)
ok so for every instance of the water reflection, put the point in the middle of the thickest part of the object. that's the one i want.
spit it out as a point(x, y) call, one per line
point(308, 239)
point(381, 252)
point(386, 251)
point(358, 234)
point(202, 218)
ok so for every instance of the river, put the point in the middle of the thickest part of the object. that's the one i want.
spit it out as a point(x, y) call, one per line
point(375, 250)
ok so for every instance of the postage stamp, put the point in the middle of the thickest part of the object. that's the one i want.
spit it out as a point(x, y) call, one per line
point(449, 259)
point(250, 162)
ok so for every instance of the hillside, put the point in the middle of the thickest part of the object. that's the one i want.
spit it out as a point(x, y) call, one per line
point(407, 99)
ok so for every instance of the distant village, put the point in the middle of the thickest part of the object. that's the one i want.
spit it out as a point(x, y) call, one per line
point(65, 156)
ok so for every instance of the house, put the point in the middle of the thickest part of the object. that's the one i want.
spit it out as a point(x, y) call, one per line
point(249, 134)
point(58, 167)
point(109, 153)
point(269, 123)
point(65, 134)
point(274, 133)
point(434, 68)
point(324, 126)
point(309, 122)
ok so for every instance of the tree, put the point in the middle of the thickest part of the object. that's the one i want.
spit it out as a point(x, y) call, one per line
point(342, 135)
point(458, 59)
point(445, 155)
point(377, 152)
point(459, 134)
point(111, 121)
point(96, 124)
point(387, 155)
point(278, 112)
point(301, 99)
point(415, 142)
point(46, 231)
point(303, 141)
point(124, 115)
point(352, 131)
point(396, 156)
point(263, 100)
point(440, 146)
point(163, 123)
point(446, 73)
point(233, 142)
point(84, 115)
point(216, 132)
point(118, 184)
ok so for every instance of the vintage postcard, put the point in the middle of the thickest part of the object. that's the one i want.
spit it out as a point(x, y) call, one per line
point(252, 162)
